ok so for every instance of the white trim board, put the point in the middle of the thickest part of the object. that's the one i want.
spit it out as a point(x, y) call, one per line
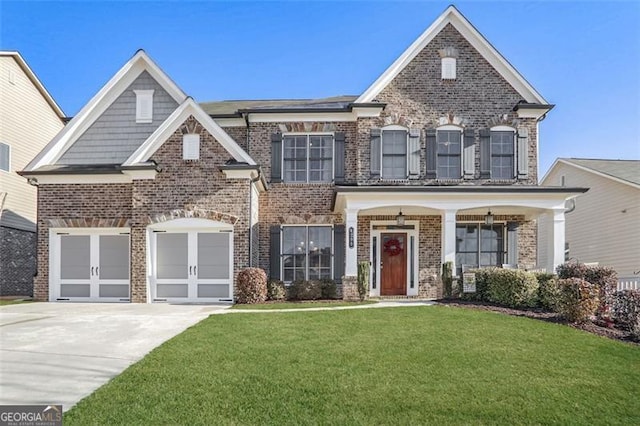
point(100, 102)
point(452, 16)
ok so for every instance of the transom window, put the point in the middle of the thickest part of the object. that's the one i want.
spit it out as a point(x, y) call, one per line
point(480, 245)
point(394, 154)
point(307, 253)
point(308, 158)
point(449, 153)
point(502, 154)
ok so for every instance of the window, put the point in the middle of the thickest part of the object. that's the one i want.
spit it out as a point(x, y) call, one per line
point(449, 153)
point(306, 253)
point(308, 158)
point(448, 68)
point(394, 154)
point(5, 157)
point(502, 154)
point(480, 245)
point(191, 147)
point(144, 106)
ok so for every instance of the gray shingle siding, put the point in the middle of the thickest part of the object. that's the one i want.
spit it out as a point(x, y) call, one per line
point(115, 135)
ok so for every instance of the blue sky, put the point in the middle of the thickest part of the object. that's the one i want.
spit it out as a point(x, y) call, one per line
point(582, 56)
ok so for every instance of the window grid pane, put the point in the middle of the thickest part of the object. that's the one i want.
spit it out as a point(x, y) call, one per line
point(295, 158)
point(307, 253)
point(479, 245)
point(502, 153)
point(394, 154)
point(320, 158)
point(449, 151)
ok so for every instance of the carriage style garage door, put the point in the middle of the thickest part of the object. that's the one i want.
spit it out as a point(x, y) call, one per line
point(89, 265)
point(192, 265)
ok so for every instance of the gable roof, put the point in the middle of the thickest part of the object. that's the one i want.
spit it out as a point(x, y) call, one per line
point(175, 120)
point(139, 63)
point(228, 107)
point(35, 80)
point(624, 171)
point(453, 16)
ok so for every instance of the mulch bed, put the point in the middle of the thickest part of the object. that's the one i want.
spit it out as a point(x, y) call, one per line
point(591, 327)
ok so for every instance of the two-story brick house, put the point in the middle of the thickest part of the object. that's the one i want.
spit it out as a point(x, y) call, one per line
point(148, 196)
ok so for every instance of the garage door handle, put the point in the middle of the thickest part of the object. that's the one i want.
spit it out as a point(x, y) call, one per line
point(190, 270)
point(97, 269)
point(195, 268)
point(92, 271)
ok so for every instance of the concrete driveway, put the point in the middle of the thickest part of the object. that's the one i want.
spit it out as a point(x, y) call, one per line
point(58, 353)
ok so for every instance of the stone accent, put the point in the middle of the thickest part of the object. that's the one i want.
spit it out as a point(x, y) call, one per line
point(17, 261)
point(86, 222)
point(350, 289)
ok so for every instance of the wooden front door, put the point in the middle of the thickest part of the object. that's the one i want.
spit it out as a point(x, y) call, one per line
point(393, 269)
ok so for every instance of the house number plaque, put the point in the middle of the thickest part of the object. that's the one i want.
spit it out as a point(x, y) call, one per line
point(351, 237)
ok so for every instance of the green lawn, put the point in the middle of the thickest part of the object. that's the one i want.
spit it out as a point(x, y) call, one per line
point(13, 301)
point(300, 305)
point(410, 365)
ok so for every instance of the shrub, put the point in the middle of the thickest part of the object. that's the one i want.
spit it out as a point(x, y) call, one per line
point(363, 279)
point(251, 286)
point(548, 291)
point(305, 290)
point(480, 294)
point(626, 310)
point(328, 289)
point(511, 287)
point(603, 277)
point(276, 290)
point(447, 279)
point(577, 299)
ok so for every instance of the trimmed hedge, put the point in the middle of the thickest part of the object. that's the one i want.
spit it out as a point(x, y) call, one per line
point(304, 290)
point(512, 287)
point(548, 291)
point(328, 289)
point(276, 290)
point(578, 299)
point(603, 277)
point(251, 286)
point(626, 310)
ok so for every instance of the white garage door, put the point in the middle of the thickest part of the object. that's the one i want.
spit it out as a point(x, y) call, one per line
point(90, 266)
point(192, 266)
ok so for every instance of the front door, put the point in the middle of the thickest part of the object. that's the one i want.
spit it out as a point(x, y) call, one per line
point(393, 269)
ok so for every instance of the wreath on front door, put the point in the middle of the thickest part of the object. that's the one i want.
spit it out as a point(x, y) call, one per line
point(393, 247)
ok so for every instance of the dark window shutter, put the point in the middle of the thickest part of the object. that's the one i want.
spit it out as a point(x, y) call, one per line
point(275, 255)
point(276, 157)
point(338, 253)
point(376, 136)
point(512, 243)
point(414, 153)
point(485, 153)
point(432, 154)
point(523, 153)
point(339, 157)
point(469, 154)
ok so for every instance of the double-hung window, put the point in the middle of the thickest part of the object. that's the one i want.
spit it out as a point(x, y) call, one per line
point(480, 245)
point(502, 154)
point(394, 154)
point(307, 253)
point(449, 153)
point(308, 158)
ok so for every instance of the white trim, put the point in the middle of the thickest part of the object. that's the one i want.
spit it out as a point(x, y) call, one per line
point(231, 122)
point(415, 232)
point(313, 116)
point(536, 113)
point(93, 281)
point(191, 146)
point(127, 176)
point(502, 128)
point(452, 16)
point(567, 161)
point(100, 102)
point(450, 128)
point(448, 71)
point(174, 121)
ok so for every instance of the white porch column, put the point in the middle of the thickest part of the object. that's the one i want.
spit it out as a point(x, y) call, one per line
point(351, 242)
point(449, 237)
point(558, 238)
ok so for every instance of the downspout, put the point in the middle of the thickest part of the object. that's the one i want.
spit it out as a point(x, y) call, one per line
point(34, 182)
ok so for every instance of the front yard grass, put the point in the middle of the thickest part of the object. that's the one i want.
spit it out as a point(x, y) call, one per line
point(300, 305)
point(410, 365)
point(13, 301)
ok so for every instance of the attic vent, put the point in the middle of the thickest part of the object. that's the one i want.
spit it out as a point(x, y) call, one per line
point(191, 146)
point(448, 55)
point(144, 106)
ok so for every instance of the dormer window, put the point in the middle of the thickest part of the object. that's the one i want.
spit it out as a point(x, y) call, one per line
point(448, 57)
point(191, 147)
point(144, 106)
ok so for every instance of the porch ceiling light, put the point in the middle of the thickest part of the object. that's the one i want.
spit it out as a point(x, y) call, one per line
point(488, 219)
point(400, 219)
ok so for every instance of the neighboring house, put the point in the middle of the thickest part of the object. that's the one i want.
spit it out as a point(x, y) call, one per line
point(148, 196)
point(604, 227)
point(29, 119)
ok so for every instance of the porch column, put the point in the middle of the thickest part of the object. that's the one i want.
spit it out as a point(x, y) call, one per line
point(558, 238)
point(351, 242)
point(448, 243)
